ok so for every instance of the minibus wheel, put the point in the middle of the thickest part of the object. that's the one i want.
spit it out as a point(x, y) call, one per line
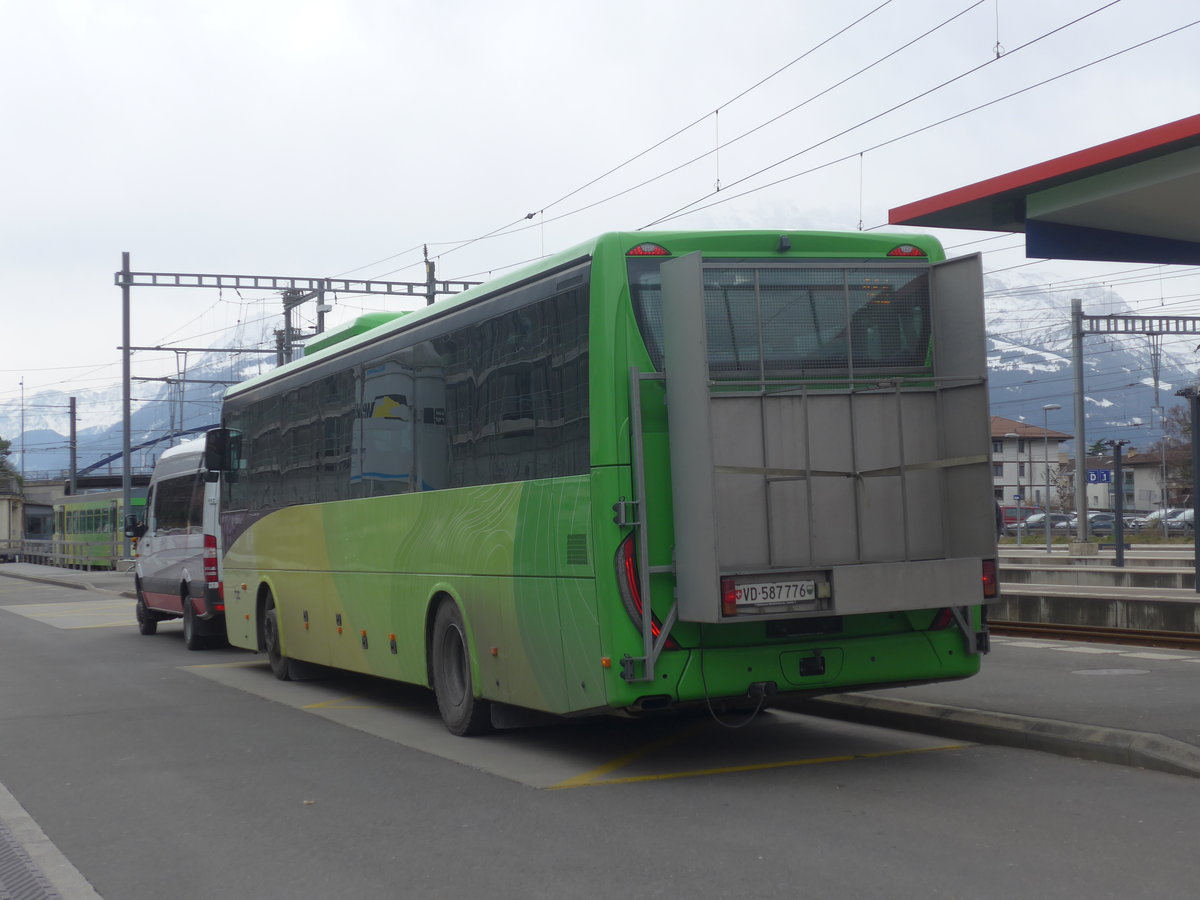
point(147, 622)
point(191, 637)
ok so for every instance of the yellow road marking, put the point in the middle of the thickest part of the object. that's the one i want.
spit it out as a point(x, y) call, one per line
point(593, 777)
point(227, 665)
point(582, 780)
point(338, 704)
point(522, 757)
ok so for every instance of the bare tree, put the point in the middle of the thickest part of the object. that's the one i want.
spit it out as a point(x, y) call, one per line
point(1064, 486)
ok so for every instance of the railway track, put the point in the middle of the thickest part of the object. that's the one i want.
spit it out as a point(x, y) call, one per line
point(1173, 640)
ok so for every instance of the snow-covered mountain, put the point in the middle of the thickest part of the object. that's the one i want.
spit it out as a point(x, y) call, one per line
point(159, 410)
point(1029, 364)
point(1029, 360)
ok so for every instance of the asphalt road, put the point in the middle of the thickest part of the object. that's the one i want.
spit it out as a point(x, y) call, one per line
point(162, 773)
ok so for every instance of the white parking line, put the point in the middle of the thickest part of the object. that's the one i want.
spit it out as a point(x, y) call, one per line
point(1094, 650)
point(1090, 649)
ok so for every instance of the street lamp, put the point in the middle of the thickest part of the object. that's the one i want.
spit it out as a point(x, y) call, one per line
point(1192, 395)
point(1020, 518)
point(1046, 447)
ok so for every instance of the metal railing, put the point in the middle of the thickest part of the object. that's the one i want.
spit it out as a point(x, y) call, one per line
point(87, 555)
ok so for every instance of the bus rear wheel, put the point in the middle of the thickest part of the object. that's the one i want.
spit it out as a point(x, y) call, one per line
point(280, 664)
point(463, 712)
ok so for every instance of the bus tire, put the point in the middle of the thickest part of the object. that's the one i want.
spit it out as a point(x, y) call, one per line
point(463, 712)
point(284, 667)
point(147, 622)
point(280, 664)
point(191, 635)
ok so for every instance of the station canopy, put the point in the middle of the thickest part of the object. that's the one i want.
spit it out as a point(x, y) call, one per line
point(1134, 199)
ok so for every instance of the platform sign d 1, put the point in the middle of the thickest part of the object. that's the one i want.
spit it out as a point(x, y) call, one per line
point(1099, 476)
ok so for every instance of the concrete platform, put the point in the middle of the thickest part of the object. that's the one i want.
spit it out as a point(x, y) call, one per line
point(1153, 591)
point(1153, 577)
point(1137, 555)
point(1137, 608)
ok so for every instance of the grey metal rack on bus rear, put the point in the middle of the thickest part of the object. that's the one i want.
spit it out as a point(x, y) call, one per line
point(748, 459)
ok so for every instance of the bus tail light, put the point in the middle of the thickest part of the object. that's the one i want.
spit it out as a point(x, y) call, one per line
point(906, 250)
point(212, 577)
point(648, 249)
point(991, 580)
point(729, 592)
point(631, 593)
point(942, 619)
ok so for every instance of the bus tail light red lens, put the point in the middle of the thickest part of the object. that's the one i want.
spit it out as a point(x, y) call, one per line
point(728, 597)
point(991, 580)
point(906, 250)
point(648, 249)
point(631, 593)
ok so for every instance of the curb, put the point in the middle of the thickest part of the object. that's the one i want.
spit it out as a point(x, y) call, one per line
point(1095, 742)
point(63, 582)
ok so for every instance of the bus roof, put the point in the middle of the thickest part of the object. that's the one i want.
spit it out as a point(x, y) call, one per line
point(741, 244)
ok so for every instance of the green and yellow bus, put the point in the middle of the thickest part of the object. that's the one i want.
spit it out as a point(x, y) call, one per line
point(654, 470)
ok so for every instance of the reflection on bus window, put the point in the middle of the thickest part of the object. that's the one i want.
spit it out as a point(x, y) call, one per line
point(786, 320)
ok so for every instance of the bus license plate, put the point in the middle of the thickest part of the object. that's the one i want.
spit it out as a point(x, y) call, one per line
point(769, 592)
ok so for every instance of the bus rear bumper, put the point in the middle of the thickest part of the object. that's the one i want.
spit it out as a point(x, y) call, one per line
point(816, 667)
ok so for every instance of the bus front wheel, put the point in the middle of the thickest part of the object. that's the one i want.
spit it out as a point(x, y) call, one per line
point(285, 668)
point(463, 712)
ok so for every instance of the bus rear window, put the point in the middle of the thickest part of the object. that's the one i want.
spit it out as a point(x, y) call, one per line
point(793, 319)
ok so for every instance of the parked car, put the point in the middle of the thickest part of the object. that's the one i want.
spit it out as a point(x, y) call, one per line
point(1014, 514)
point(1184, 523)
point(1098, 523)
point(1153, 521)
point(1036, 523)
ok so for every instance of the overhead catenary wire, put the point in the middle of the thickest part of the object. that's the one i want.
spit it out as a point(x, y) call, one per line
point(739, 96)
point(516, 227)
point(692, 208)
point(692, 161)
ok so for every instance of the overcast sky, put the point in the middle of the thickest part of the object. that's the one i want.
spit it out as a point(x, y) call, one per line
point(325, 137)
